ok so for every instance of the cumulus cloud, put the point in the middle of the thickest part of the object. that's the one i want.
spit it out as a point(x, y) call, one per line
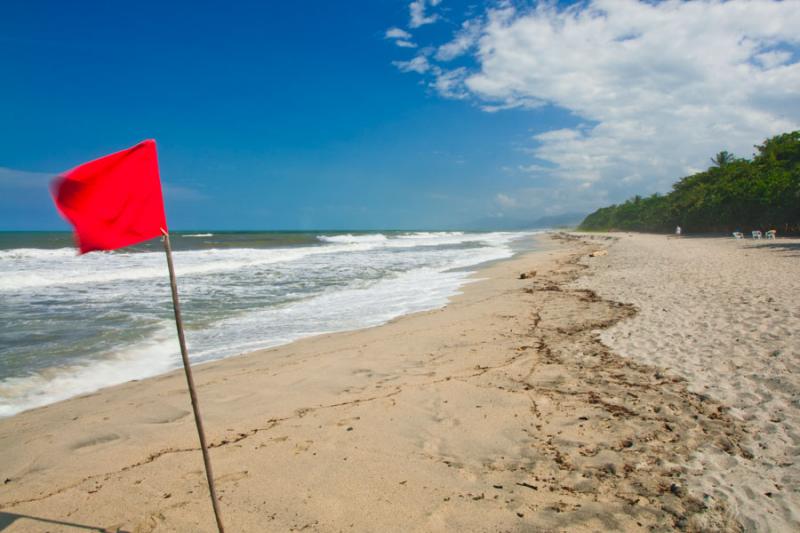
point(397, 33)
point(463, 40)
point(417, 10)
point(449, 83)
point(773, 58)
point(419, 65)
point(659, 87)
point(400, 37)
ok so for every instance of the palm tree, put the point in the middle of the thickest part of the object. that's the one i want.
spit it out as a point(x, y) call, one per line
point(722, 159)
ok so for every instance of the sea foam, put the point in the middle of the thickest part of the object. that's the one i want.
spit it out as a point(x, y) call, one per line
point(81, 323)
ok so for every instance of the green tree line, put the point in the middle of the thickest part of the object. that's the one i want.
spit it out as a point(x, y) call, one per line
point(733, 194)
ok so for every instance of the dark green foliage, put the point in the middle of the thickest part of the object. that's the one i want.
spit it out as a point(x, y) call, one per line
point(723, 158)
point(734, 194)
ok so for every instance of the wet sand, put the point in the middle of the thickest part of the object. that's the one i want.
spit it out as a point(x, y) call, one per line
point(503, 411)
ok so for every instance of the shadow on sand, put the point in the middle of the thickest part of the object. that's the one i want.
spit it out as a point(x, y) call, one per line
point(6, 519)
point(787, 248)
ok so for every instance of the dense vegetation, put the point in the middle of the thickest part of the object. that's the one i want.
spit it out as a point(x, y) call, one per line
point(733, 194)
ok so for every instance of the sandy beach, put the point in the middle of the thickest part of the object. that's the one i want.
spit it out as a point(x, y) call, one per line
point(650, 387)
point(723, 315)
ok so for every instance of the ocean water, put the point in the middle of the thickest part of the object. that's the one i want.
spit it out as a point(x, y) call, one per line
point(72, 324)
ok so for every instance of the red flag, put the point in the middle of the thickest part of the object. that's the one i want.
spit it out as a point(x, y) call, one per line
point(113, 201)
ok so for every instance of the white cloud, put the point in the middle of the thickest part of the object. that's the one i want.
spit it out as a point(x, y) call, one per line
point(661, 86)
point(559, 135)
point(464, 39)
point(513, 103)
point(532, 202)
point(401, 38)
point(419, 65)
point(397, 33)
point(773, 58)
point(449, 83)
point(505, 201)
point(532, 168)
point(417, 10)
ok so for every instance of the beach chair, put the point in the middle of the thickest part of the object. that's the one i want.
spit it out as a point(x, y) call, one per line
point(756, 234)
point(738, 235)
point(771, 234)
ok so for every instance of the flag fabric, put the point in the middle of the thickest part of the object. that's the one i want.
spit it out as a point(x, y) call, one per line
point(113, 201)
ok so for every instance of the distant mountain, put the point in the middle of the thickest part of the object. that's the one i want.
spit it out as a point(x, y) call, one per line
point(559, 221)
point(516, 223)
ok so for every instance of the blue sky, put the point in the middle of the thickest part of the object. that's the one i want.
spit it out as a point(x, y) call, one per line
point(381, 114)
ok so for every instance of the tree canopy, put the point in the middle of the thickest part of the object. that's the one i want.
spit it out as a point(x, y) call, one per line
point(733, 194)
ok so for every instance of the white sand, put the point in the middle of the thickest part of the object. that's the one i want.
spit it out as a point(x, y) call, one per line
point(726, 316)
point(501, 412)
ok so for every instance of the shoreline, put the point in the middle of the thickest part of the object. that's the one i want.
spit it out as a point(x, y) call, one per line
point(153, 356)
point(246, 359)
point(502, 410)
point(539, 244)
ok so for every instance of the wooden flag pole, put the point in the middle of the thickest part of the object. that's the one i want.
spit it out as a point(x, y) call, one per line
point(190, 381)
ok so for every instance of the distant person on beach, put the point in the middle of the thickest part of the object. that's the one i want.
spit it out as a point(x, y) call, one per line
point(678, 231)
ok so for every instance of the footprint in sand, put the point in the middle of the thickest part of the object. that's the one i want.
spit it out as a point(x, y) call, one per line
point(94, 440)
point(348, 422)
point(232, 477)
point(166, 416)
